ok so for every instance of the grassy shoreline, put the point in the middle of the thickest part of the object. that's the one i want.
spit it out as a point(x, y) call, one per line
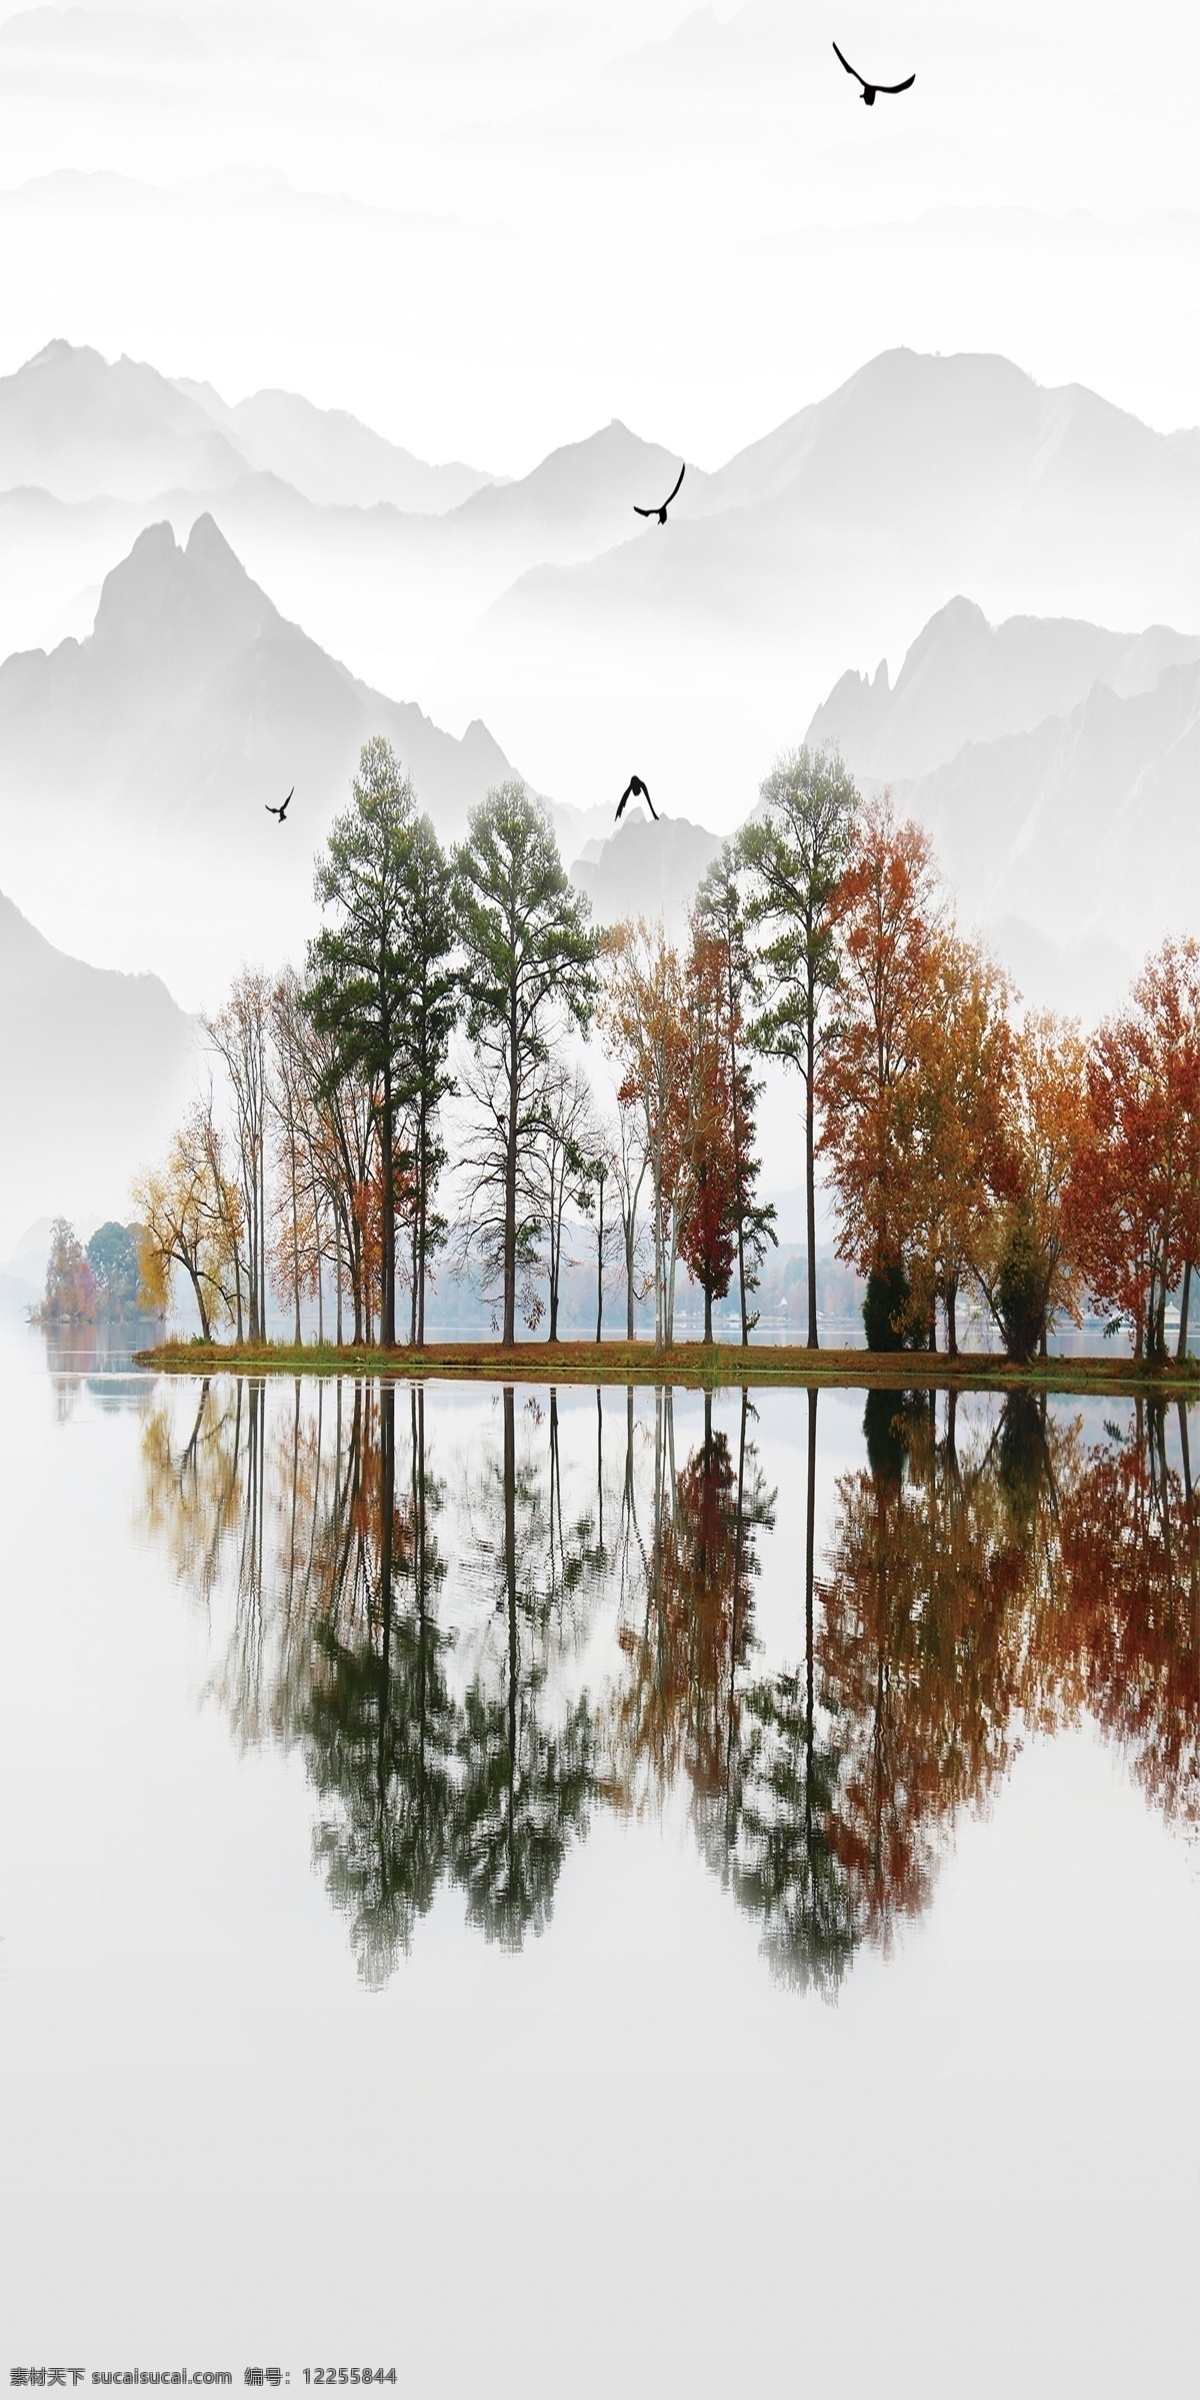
point(688, 1363)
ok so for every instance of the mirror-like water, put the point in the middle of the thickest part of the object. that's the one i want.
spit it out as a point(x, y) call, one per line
point(564, 1892)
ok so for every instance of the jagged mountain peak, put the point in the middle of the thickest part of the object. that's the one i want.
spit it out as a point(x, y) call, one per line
point(198, 592)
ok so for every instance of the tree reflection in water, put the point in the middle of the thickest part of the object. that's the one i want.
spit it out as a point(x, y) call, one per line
point(417, 1637)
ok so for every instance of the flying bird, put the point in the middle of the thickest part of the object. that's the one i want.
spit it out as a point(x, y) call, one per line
point(869, 89)
point(279, 812)
point(661, 513)
point(635, 789)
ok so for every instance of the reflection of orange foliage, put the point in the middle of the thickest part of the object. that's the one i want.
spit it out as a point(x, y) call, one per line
point(1129, 1628)
point(920, 1659)
point(680, 1708)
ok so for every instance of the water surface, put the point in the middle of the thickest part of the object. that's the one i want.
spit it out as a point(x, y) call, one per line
point(573, 1892)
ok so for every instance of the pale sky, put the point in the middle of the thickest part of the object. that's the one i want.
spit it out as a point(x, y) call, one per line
point(489, 229)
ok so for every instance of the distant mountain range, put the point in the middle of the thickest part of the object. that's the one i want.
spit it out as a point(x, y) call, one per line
point(1056, 765)
point(94, 1069)
point(1052, 759)
point(79, 428)
point(967, 681)
point(590, 642)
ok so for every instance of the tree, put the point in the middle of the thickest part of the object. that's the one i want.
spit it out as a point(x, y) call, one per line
point(866, 1077)
point(70, 1294)
point(794, 856)
point(720, 910)
point(629, 1165)
point(1025, 1269)
point(599, 1181)
point(112, 1255)
point(645, 1026)
point(433, 1010)
point(301, 1202)
point(529, 965)
point(359, 970)
point(191, 1213)
point(709, 1219)
point(1132, 1204)
point(239, 1035)
point(563, 1139)
point(949, 1127)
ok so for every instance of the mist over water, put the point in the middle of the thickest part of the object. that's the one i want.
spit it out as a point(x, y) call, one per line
point(630, 1796)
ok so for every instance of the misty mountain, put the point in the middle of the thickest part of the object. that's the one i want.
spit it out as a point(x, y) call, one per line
point(585, 637)
point(94, 1068)
point(1075, 846)
point(645, 869)
point(964, 680)
point(844, 529)
point(81, 429)
point(329, 457)
point(135, 765)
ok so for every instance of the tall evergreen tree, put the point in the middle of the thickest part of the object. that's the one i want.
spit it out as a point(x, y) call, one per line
point(359, 975)
point(434, 1005)
point(794, 855)
point(530, 961)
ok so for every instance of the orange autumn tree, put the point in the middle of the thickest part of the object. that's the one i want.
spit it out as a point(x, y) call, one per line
point(888, 913)
point(708, 1232)
point(1026, 1267)
point(1132, 1203)
point(644, 1022)
point(950, 1128)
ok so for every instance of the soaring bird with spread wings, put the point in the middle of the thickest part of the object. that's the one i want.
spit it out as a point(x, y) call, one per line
point(279, 812)
point(635, 789)
point(661, 513)
point(869, 89)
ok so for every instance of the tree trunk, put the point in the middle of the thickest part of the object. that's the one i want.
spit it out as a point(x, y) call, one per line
point(509, 1333)
point(708, 1331)
point(600, 1264)
point(630, 1236)
point(295, 1255)
point(810, 1170)
point(952, 1316)
point(557, 1200)
point(387, 1302)
point(204, 1325)
point(1185, 1297)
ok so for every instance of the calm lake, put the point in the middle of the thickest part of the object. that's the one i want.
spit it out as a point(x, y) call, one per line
point(599, 1893)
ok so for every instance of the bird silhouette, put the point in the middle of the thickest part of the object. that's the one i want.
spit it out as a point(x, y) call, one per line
point(635, 789)
point(869, 89)
point(661, 513)
point(279, 812)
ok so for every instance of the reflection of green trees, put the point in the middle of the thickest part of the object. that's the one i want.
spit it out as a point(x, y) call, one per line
point(983, 1574)
point(527, 1781)
point(329, 1528)
point(380, 1725)
point(783, 1867)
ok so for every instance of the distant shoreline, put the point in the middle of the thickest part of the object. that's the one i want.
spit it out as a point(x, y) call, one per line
point(704, 1366)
